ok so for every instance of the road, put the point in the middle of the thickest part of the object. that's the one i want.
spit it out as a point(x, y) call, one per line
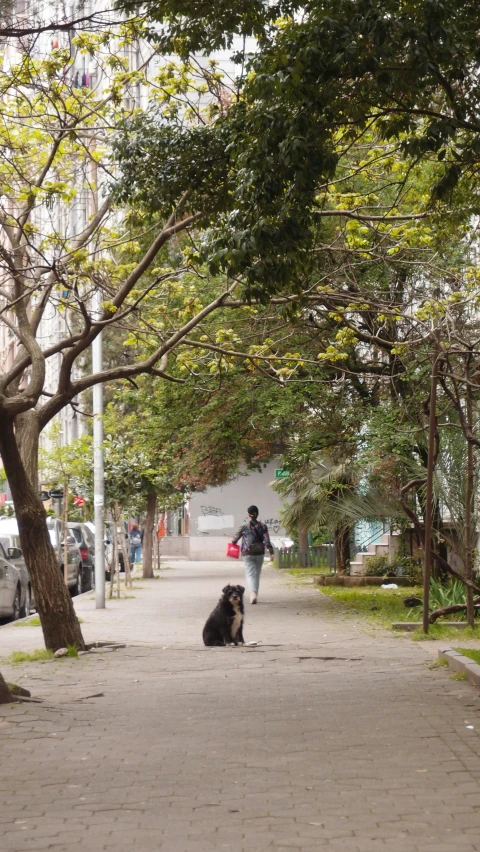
point(325, 736)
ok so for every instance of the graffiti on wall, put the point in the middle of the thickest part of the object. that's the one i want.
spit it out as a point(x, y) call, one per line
point(212, 518)
point(211, 510)
point(273, 525)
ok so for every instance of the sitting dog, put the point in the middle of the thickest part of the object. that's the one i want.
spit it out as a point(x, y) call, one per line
point(225, 624)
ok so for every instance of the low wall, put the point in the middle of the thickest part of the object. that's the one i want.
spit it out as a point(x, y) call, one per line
point(175, 545)
point(211, 548)
point(358, 580)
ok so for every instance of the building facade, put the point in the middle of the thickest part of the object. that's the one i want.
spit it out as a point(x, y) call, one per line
point(212, 517)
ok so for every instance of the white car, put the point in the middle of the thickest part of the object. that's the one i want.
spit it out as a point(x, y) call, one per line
point(13, 593)
point(10, 551)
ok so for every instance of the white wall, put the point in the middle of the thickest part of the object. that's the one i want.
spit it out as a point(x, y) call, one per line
point(217, 513)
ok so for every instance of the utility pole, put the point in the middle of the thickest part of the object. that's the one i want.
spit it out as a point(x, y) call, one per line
point(98, 469)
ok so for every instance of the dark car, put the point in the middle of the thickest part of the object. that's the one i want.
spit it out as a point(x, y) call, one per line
point(86, 543)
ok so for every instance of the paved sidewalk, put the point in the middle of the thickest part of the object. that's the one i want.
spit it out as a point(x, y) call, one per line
point(326, 736)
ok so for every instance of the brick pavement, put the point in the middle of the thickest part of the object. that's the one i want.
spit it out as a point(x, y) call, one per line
point(326, 736)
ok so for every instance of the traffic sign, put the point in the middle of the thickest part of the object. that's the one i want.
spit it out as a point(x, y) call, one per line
point(281, 473)
point(55, 494)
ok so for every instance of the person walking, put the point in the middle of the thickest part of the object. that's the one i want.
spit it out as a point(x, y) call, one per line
point(136, 538)
point(255, 539)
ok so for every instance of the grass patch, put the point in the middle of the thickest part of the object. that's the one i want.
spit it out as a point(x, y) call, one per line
point(30, 622)
point(381, 606)
point(440, 631)
point(41, 655)
point(307, 572)
point(123, 596)
point(459, 676)
point(441, 663)
point(472, 653)
point(35, 622)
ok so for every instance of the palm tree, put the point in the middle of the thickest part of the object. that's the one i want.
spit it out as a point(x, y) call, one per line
point(331, 495)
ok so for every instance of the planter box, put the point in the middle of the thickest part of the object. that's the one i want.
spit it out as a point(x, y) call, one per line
point(357, 580)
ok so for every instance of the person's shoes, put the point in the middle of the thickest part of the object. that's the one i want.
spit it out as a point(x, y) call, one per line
point(253, 598)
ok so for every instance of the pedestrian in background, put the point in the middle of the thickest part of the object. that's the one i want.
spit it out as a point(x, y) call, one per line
point(255, 539)
point(136, 539)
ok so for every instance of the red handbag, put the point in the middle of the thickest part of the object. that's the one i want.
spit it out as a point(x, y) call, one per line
point(233, 550)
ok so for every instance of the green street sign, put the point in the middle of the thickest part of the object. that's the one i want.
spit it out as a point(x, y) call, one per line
point(281, 473)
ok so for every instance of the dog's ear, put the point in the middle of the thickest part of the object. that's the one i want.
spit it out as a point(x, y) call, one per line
point(226, 588)
point(241, 589)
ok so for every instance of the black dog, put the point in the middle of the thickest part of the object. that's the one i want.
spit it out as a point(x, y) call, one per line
point(225, 624)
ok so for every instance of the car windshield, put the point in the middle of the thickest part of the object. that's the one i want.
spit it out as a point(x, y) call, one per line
point(76, 532)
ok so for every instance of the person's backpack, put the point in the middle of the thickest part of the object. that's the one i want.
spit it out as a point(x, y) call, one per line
point(135, 539)
point(255, 543)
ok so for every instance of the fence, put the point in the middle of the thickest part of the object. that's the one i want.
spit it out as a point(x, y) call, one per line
point(321, 557)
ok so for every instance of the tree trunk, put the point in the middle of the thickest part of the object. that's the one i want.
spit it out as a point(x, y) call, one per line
point(342, 549)
point(59, 622)
point(469, 504)
point(26, 434)
point(114, 566)
point(148, 536)
point(6, 696)
point(303, 551)
point(124, 546)
point(438, 572)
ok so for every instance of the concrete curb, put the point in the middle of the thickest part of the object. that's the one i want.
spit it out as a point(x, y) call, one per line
point(418, 625)
point(463, 665)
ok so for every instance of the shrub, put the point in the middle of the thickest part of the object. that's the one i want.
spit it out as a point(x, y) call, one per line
point(449, 595)
point(376, 566)
point(442, 596)
point(411, 568)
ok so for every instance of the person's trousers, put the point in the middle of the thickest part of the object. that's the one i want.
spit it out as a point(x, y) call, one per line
point(135, 553)
point(253, 567)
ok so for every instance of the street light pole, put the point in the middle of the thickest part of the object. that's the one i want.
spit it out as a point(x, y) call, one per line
point(98, 469)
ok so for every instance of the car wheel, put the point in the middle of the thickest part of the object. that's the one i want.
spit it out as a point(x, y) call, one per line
point(16, 605)
point(78, 587)
point(25, 610)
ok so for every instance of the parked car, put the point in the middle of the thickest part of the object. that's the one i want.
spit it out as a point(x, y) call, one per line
point(13, 593)
point(75, 575)
point(10, 543)
point(86, 543)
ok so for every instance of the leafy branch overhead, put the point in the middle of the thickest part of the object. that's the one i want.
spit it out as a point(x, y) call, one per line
point(321, 77)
